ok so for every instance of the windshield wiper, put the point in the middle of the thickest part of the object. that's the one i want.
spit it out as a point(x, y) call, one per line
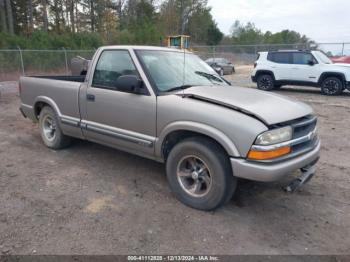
point(182, 87)
point(209, 76)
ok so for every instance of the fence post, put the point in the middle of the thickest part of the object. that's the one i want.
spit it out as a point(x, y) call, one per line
point(65, 57)
point(21, 57)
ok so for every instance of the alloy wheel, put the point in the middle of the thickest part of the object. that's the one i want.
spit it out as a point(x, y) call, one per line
point(194, 176)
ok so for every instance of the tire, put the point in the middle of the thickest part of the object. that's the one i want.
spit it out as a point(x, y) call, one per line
point(206, 190)
point(265, 82)
point(332, 86)
point(50, 130)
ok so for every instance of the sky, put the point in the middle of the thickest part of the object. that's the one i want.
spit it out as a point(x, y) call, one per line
point(320, 20)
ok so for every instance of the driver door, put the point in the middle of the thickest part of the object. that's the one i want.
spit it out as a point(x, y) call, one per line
point(116, 118)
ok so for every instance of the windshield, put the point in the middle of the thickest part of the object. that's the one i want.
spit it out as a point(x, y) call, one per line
point(172, 70)
point(323, 58)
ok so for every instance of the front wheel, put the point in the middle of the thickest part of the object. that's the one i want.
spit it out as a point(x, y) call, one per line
point(265, 82)
point(332, 86)
point(199, 174)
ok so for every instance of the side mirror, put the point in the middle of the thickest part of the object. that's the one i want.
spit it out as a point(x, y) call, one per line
point(310, 63)
point(129, 83)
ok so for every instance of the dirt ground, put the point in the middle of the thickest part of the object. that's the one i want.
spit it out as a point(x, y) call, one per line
point(90, 199)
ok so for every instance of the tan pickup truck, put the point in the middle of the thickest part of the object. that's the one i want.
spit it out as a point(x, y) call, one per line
point(170, 106)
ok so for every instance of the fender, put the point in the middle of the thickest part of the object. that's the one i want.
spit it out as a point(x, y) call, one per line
point(328, 74)
point(210, 131)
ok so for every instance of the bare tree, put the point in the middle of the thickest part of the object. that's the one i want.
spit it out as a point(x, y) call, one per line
point(9, 17)
point(119, 7)
point(3, 16)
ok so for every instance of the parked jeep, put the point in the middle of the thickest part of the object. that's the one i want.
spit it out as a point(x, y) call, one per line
point(146, 101)
point(307, 68)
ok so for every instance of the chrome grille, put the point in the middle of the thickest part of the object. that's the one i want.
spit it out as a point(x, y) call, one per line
point(301, 128)
point(304, 127)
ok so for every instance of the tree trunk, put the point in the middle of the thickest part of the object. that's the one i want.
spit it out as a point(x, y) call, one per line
point(71, 15)
point(62, 15)
point(45, 20)
point(57, 16)
point(92, 16)
point(10, 17)
point(3, 16)
point(77, 20)
point(30, 16)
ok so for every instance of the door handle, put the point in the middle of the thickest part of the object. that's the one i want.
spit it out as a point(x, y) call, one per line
point(90, 97)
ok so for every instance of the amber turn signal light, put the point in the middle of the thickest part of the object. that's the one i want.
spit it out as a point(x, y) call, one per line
point(265, 155)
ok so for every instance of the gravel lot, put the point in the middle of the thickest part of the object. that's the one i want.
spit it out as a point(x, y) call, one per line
point(90, 199)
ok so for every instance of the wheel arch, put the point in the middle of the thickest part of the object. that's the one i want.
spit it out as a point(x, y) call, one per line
point(41, 102)
point(263, 72)
point(176, 132)
point(325, 75)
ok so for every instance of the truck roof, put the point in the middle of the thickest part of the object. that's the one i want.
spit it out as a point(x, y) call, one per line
point(143, 47)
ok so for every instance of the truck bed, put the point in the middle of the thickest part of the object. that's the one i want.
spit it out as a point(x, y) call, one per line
point(60, 92)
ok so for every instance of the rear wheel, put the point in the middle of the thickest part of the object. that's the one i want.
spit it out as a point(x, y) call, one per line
point(265, 82)
point(50, 130)
point(199, 174)
point(332, 86)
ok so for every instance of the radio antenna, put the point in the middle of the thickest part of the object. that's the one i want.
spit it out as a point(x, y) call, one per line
point(183, 74)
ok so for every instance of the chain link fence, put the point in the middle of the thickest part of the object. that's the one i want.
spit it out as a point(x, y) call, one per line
point(246, 54)
point(17, 62)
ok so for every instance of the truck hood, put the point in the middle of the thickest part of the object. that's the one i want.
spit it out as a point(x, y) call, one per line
point(267, 107)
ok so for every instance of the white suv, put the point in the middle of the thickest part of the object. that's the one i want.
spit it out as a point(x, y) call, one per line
point(307, 68)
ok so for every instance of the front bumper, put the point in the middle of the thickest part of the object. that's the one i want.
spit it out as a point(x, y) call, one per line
point(267, 172)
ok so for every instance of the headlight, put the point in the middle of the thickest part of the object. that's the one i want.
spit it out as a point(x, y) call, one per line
point(264, 149)
point(274, 136)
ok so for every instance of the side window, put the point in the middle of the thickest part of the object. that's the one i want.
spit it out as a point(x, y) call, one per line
point(303, 58)
point(111, 65)
point(279, 57)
